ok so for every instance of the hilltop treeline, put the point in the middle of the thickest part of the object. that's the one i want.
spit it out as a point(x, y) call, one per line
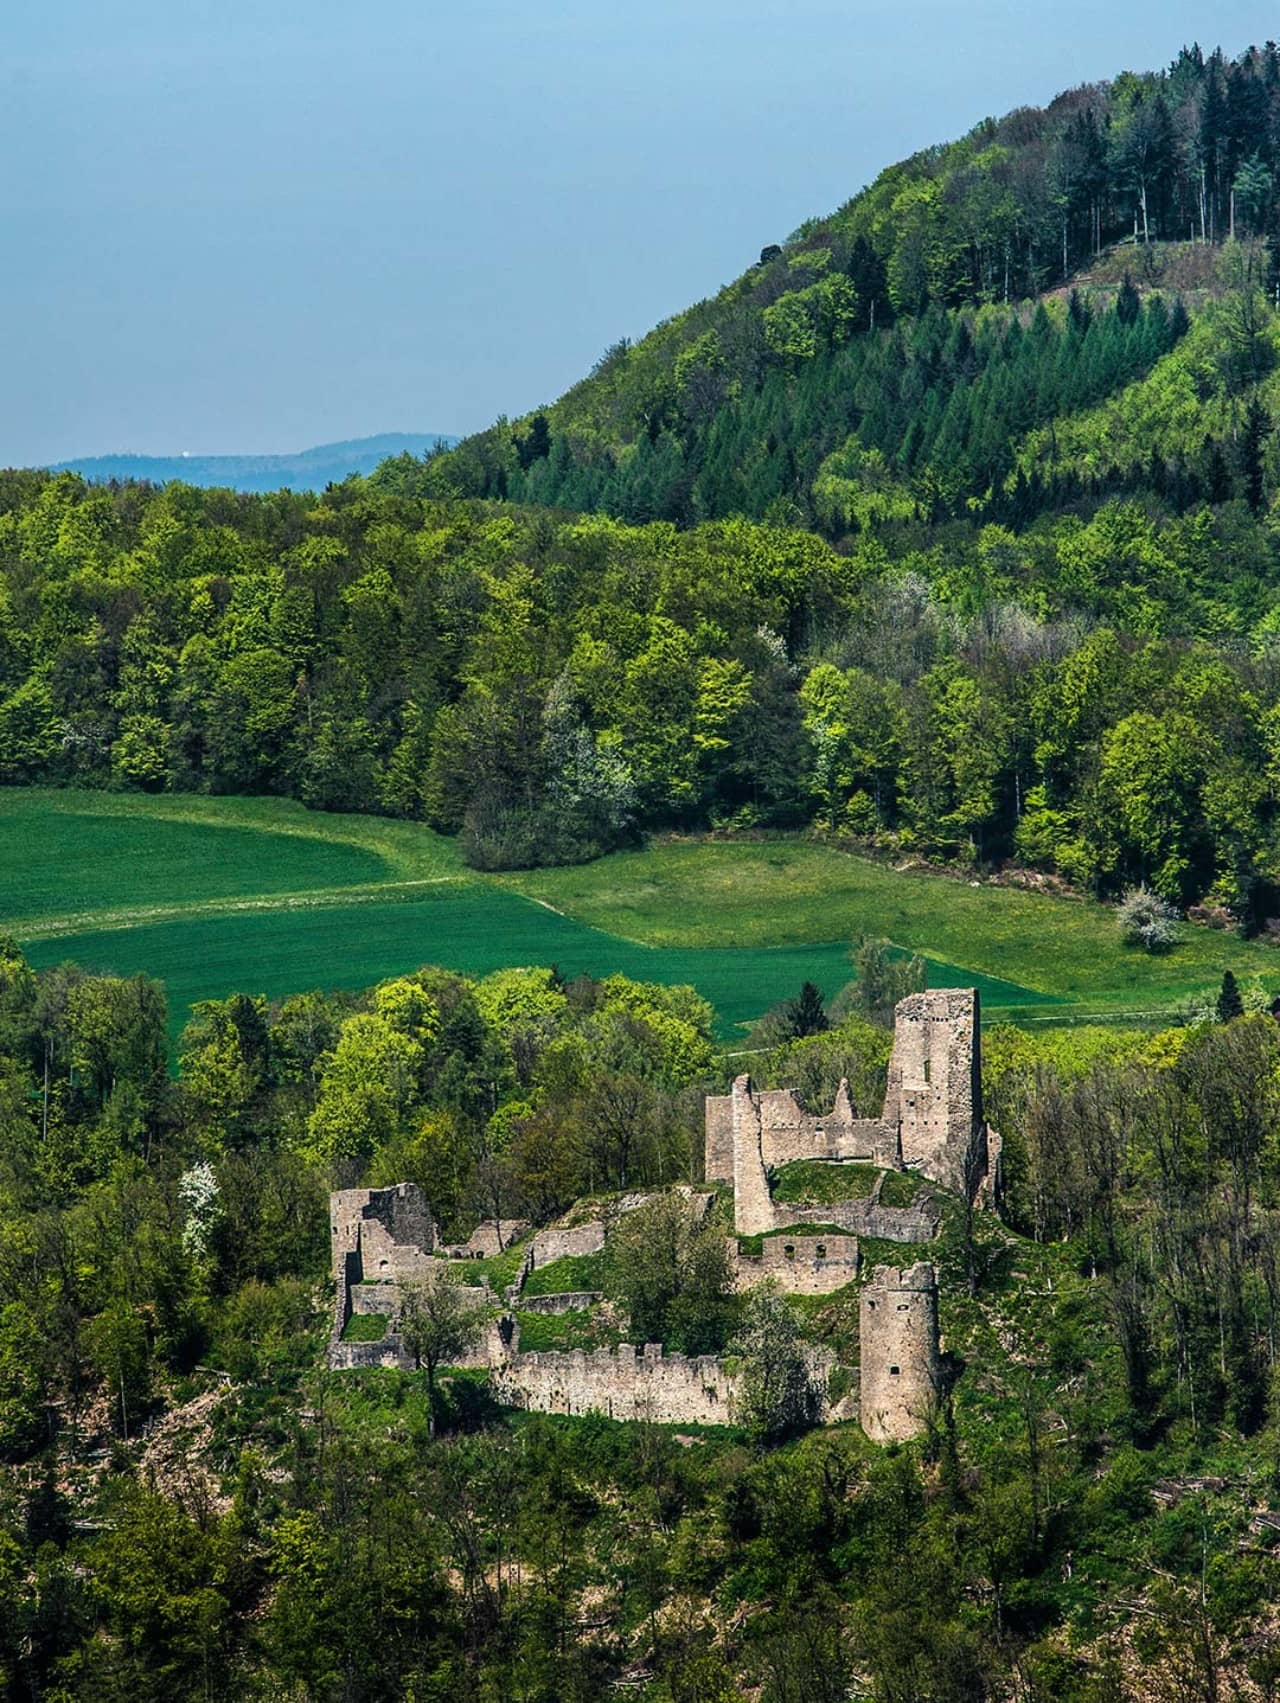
point(1095, 695)
point(191, 1509)
point(733, 406)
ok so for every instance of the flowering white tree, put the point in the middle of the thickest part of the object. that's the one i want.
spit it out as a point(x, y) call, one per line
point(198, 1192)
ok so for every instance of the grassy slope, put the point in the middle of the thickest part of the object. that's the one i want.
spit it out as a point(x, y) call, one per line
point(214, 895)
point(69, 858)
point(779, 892)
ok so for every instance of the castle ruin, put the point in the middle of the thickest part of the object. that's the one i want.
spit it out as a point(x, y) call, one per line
point(931, 1123)
point(381, 1238)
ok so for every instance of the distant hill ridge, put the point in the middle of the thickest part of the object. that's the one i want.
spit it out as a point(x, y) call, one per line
point(308, 469)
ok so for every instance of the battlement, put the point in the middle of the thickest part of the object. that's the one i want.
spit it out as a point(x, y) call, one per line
point(622, 1383)
point(922, 1276)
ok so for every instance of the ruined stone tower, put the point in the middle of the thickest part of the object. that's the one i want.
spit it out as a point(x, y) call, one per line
point(932, 1120)
point(898, 1339)
point(934, 1096)
point(380, 1238)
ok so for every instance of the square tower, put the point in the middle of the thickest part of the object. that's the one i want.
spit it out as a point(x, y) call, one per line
point(935, 1086)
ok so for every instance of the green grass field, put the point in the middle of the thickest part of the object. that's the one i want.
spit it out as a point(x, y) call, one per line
point(219, 895)
point(754, 893)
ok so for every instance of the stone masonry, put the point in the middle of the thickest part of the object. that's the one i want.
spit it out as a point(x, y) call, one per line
point(800, 1265)
point(641, 1383)
point(934, 1097)
point(622, 1383)
point(381, 1238)
point(900, 1359)
point(932, 1123)
point(932, 1120)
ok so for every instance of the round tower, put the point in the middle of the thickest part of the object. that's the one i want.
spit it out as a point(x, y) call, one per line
point(901, 1363)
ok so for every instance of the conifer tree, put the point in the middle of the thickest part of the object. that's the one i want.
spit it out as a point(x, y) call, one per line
point(1230, 1003)
point(807, 1013)
point(1257, 428)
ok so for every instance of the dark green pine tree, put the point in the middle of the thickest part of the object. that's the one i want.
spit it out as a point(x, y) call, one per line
point(1257, 427)
point(536, 446)
point(1230, 1003)
point(1128, 302)
point(807, 1013)
point(1216, 476)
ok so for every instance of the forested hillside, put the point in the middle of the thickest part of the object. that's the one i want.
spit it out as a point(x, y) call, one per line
point(190, 1508)
point(949, 528)
point(1096, 695)
point(878, 344)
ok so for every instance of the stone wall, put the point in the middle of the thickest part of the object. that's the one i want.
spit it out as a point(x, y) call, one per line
point(916, 1223)
point(352, 1356)
point(381, 1298)
point(567, 1301)
point(800, 1265)
point(786, 1130)
point(622, 1383)
point(391, 1230)
point(491, 1236)
point(376, 1234)
point(559, 1244)
point(932, 1120)
point(899, 1351)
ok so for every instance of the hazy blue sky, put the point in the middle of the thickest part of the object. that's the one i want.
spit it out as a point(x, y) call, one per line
point(254, 225)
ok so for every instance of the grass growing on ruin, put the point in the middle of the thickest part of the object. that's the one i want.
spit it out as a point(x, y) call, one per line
point(498, 1270)
point(365, 1327)
point(900, 1188)
point(564, 1276)
point(547, 1332)
point(822, 1180)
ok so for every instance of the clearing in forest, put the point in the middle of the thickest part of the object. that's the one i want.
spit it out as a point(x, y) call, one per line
point(216, 895)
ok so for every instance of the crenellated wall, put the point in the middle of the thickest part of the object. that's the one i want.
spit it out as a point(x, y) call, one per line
point(622, 1383)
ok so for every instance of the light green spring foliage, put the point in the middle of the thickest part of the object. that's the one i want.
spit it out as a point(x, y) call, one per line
point(526, 1006)
point(1192, 394)
point(1081, 1387)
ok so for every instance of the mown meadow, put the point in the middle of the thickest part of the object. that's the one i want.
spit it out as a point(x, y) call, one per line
point(215, 895)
